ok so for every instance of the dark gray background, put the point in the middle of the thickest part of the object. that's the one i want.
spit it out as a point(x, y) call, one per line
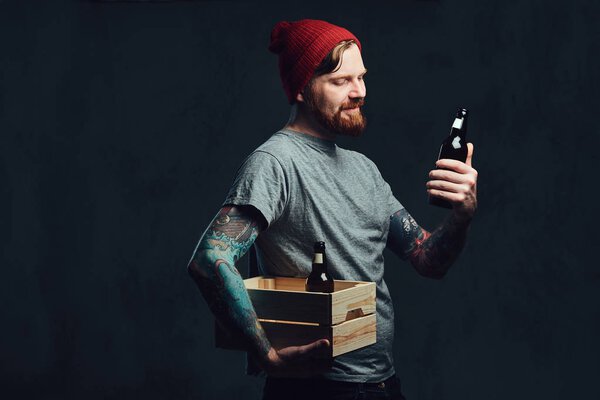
point(122, 125)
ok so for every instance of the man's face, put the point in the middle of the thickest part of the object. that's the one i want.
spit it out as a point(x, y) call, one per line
point(335, 99)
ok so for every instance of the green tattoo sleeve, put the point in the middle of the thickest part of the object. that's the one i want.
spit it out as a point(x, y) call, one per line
point(212, 266)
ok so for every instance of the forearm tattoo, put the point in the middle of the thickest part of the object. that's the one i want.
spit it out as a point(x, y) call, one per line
point(430, 253)
point(212, 266)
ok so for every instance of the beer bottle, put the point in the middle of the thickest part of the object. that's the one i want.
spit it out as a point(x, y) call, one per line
point(319, 280)
point(454, 147)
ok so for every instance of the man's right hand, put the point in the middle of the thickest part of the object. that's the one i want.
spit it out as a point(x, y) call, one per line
point(298, 361)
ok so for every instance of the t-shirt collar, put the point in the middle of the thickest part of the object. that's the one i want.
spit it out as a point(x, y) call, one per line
point(328, 145)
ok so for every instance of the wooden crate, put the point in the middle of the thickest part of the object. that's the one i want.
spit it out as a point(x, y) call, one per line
point(291, 316)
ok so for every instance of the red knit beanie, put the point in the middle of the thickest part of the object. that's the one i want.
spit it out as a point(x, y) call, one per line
point(301, 46)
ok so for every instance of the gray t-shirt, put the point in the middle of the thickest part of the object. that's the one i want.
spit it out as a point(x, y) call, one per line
point(309, 189)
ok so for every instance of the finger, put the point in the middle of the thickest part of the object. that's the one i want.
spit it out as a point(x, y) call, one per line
point(470, 148)
point(446, 186)
point(453, 165)
point(313, 347)
point(446, 175)
point(451, 197)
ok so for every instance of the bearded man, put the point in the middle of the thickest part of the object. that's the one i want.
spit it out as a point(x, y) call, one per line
point(300, 187)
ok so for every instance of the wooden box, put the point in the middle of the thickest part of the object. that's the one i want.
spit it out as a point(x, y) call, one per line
point(292, 316)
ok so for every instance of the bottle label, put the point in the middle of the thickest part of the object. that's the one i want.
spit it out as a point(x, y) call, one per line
point(456, 142)
point(318, 258)
point(458, 122)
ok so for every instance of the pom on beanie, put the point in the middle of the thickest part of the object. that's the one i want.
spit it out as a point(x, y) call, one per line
point(277, 39)
point(301, 46)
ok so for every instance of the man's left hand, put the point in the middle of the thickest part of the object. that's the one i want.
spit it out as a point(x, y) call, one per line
point(456, 183)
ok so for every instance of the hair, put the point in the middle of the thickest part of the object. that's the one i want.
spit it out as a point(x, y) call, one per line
point(333, 61)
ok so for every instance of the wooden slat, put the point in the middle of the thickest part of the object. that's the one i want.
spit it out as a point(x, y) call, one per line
point(352, 335)
point(345, 337)
point(292, 284)
point(353, 302)
point(343, 285)
point(252, 283)
point(266, 284)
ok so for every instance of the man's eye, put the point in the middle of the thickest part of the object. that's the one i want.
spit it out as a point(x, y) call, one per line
point(339, 82)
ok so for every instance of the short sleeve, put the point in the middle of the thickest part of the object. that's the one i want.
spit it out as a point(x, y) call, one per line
point(390, 202)
point(387, 201)
point(260, 181)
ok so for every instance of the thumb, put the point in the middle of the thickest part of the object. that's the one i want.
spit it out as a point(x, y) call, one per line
point(469, 154)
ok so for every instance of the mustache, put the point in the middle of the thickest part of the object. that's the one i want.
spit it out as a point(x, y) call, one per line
point(353, 104)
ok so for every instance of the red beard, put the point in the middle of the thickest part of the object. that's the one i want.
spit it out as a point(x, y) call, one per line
point(352, 125)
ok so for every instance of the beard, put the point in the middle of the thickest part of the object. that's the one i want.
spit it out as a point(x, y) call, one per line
point(353, 124)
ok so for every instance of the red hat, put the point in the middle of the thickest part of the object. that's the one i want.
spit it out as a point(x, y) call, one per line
point(301, 46)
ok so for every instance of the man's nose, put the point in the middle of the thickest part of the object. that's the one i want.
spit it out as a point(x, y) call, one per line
point(358, 89)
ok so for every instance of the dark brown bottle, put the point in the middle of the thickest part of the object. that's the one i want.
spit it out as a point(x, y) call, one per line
point(319, 280)
point(454, 147)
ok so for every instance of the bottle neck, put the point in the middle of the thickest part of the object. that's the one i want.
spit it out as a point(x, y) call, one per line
point(319, 261)
point(458, 132)
point(459, 128)
point(458, 123)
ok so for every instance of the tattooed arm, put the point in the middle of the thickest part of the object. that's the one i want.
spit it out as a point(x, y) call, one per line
point(212, 266)
point(430, 253)
point(433, 253)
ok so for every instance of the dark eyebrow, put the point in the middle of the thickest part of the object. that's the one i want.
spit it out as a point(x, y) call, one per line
point(347, 76)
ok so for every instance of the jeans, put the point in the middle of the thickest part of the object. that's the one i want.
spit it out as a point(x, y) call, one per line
point(316, 389)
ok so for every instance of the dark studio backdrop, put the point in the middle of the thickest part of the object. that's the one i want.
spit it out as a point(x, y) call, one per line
point(121, 128)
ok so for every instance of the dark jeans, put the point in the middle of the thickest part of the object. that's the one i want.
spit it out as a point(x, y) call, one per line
point(316, 389)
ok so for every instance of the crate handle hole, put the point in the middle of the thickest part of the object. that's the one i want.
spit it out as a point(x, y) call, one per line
point(352, 314)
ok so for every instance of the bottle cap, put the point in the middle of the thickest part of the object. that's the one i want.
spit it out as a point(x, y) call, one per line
point(319, 246)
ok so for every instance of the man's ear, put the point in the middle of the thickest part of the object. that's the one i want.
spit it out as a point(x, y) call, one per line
point(300, 97)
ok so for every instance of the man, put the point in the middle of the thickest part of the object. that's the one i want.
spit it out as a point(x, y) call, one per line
point(300, 187)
